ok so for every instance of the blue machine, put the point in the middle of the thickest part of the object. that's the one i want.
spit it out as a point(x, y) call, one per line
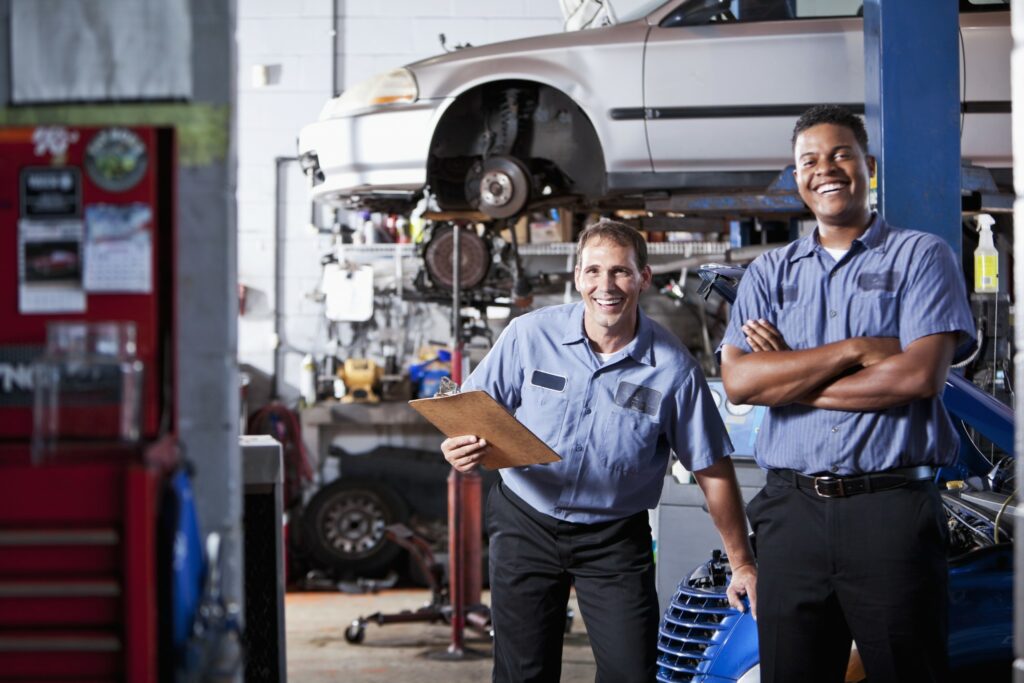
point(703, 639)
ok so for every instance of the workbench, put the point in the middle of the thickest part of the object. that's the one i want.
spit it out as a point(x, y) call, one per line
point(359, 428)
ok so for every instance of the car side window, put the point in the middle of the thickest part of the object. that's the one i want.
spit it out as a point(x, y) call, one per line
point(984, 5)
point(700, 12)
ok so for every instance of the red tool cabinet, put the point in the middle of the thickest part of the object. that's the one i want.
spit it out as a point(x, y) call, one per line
point(87, 235)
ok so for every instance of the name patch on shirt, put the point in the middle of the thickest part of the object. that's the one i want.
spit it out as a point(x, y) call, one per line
point(636, 397)
point(788, 295)
point(885, 282)
point(546, 380)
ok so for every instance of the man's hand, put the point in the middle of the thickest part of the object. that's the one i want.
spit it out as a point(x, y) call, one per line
point(762, 336)
point(773, 374)
point(464, 452)
point(722, 492)
point(876, 349)
point(744, 582)
point(917, 372)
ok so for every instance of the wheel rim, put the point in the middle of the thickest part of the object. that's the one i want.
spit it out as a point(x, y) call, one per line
point(353, 524)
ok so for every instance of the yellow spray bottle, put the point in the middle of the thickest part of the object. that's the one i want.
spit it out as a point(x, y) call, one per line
point(986, 258)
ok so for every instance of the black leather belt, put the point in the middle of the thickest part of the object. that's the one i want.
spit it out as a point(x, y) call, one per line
point(830, 486)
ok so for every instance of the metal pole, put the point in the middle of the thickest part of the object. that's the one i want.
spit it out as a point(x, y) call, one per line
point(280, 221)
point(456, 583)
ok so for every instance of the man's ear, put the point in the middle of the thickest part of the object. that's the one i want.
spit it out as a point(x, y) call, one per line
point(576, 278)
point(872, 165)
point(646, 276)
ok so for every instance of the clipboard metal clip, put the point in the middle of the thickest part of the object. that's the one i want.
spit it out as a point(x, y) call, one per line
point(446, 387)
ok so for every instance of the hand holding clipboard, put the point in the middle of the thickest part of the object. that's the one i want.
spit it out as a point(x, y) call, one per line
point(476, 413)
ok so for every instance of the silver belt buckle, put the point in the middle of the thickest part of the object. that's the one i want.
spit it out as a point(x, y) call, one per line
point(829, 481)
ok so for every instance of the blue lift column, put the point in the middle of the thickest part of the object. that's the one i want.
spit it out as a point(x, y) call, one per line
point(912, 107)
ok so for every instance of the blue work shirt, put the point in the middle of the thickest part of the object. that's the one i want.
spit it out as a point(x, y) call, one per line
point(892, 283)
point(612, 423)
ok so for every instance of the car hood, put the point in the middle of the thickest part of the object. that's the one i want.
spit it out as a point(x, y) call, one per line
point(430, 73)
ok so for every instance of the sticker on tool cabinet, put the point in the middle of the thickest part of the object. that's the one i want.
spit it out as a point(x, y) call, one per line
point(53, 141)
point(116, 159)
point(51, 192)
point(119, 248)
point(50, 267)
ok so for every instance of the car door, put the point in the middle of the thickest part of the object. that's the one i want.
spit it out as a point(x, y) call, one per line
point(723, 95)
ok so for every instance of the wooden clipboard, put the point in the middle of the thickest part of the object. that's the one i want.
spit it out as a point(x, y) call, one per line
point(475, 412)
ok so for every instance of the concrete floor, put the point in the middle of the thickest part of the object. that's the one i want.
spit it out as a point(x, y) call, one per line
point(315, 624)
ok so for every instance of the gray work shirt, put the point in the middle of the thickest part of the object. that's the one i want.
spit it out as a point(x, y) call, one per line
point(892, 283)
point(612, 422)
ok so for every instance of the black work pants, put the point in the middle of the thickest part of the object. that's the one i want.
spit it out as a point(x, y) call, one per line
point(535, 558)
point(872, 567)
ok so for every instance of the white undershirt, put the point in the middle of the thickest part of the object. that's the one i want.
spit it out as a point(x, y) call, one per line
point(605, 357)
point(837, 254)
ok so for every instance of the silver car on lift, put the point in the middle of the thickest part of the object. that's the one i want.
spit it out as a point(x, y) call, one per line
point(679, 95)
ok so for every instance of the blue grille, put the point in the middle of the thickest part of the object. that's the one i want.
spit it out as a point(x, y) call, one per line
point(692, 630)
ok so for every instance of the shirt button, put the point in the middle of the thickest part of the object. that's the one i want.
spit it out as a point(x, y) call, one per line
point(835, 429)
point(587, 411)
point(834, 468)
point(832, 313)
point(579, 448)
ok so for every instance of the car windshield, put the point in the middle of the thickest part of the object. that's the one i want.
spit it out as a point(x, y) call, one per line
point(773, 10)
point(631, 10)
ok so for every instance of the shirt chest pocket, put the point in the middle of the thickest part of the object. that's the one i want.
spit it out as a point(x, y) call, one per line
point(629, 440)
point(875, 314)
point(542, 410)
point(794, 322)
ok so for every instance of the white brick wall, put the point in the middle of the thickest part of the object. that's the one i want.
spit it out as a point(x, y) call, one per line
point(297, 38)
point(384, 35)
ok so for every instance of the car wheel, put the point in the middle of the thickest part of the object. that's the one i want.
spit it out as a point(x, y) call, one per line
point(499, 186)
point(344, 526)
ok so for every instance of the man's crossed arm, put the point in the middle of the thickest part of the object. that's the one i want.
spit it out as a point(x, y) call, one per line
point(857, 374)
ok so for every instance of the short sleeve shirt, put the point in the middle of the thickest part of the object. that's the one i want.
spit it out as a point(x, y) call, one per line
point(892, 283)
point(613, 423)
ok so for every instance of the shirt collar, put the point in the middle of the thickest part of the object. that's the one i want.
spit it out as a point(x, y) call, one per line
point(574, 325)
point(640, 348)
point(873, 238)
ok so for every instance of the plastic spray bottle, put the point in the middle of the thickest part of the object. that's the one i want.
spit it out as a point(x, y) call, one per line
point(986, 258)
point(307, 379)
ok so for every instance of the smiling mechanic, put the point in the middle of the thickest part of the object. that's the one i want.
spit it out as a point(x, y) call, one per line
point(611, 391)
point(848, 334)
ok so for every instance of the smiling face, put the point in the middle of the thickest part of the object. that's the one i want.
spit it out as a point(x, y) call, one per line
point(610, 282)
point(833, 176)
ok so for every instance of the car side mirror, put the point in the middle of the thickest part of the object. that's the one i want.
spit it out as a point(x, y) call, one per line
point(697, 13)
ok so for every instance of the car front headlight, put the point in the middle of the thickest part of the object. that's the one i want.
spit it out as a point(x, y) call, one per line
point(394, 87)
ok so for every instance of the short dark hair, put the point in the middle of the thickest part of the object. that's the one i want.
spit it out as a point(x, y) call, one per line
point(834, 114)
point(619, 233)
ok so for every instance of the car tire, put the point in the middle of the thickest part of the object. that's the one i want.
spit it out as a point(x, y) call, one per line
point(344, 526)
